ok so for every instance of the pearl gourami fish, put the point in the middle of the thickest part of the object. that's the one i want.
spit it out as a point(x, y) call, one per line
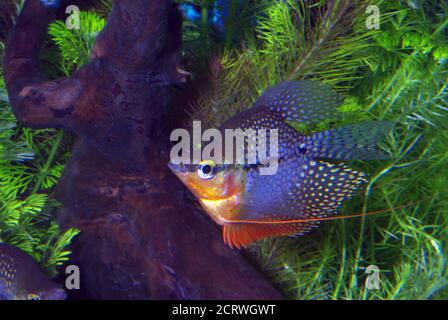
point(308, 186)
point(21, 278)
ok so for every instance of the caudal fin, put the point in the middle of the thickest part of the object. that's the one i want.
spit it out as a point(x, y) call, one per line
point(350, 142)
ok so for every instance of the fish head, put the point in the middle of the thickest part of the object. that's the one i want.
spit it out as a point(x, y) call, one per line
point(219, 188)
point(33, 284)
point(49, 292)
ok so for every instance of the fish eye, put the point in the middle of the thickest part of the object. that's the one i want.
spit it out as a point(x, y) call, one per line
point(33, 296)
point(206, 169)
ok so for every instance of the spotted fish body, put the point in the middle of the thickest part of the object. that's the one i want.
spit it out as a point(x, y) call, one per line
point(306, 187)
point(21, 278)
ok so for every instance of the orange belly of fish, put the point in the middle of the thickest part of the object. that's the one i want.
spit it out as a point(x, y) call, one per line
point(239, 233)
point(222, 210)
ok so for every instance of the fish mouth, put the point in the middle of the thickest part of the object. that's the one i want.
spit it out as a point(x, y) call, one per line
point(182, 172)
point(182, 168)
point(177, 168)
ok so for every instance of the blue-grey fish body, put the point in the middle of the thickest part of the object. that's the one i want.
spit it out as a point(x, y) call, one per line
point(305, 187)
point(22, 279)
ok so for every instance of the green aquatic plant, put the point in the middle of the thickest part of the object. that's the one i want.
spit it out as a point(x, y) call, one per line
point(399, 73)
point(75, 45)
point(289, 44)
point(105, 7)
point(32, 161)
point(28, 172)
point(220, 24)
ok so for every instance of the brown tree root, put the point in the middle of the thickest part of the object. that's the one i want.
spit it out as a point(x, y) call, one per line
point(141, 238)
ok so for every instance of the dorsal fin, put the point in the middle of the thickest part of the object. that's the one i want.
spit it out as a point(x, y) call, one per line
point(302, 101)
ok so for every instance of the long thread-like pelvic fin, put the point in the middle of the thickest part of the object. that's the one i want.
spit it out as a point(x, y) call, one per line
point(305, 220)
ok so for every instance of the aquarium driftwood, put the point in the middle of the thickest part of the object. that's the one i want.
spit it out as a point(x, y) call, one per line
point(141, 238)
